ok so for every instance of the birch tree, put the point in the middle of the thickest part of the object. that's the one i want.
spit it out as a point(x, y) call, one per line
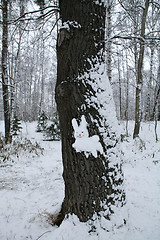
point(4, 62)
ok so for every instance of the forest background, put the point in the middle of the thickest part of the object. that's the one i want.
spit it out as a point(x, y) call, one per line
point(132, 47)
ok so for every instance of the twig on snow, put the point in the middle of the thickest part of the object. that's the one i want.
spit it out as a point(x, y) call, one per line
point(42, 235)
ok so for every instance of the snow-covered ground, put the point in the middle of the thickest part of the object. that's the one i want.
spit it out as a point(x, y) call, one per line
point(32, 189)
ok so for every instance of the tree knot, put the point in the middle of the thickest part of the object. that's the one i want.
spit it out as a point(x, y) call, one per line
point(67, 30)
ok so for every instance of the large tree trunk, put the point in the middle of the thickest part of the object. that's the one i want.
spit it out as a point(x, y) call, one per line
point(4, 70)
point(92, 171)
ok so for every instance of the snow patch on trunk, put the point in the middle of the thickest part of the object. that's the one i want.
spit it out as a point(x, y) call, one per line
point(84, 143)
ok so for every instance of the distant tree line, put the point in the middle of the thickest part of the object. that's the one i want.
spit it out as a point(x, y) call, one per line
point(28, 59)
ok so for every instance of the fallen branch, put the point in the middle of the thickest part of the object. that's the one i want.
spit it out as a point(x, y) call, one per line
point(42, 235)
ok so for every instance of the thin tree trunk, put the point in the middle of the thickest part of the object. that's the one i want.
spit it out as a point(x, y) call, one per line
point(156, 114)
point(41, 104)
point(14, 76)
point(109, 43)
point(4, 70)
point(139, 74)
point(155, 129)
point(120, 89)
point(148, 104)
point(127, 96)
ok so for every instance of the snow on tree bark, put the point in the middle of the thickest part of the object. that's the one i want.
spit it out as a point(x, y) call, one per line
point(93, 179)
point(4, 70)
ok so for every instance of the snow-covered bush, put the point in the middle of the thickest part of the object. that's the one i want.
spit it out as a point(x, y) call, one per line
point(19, 147)
point(15, 126)
point(140, 144)
point(52, 132)
point(124, 137)
point(42, 122)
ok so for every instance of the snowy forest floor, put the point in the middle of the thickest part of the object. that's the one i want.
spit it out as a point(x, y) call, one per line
point(32, 189)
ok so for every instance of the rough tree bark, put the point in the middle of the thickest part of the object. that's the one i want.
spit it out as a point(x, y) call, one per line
point(4, 69)
point(109, 42)
point(93, 181)
point(139, 73)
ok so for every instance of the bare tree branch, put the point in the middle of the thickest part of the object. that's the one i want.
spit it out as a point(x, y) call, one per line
point(142, 39)
point(54, 9)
